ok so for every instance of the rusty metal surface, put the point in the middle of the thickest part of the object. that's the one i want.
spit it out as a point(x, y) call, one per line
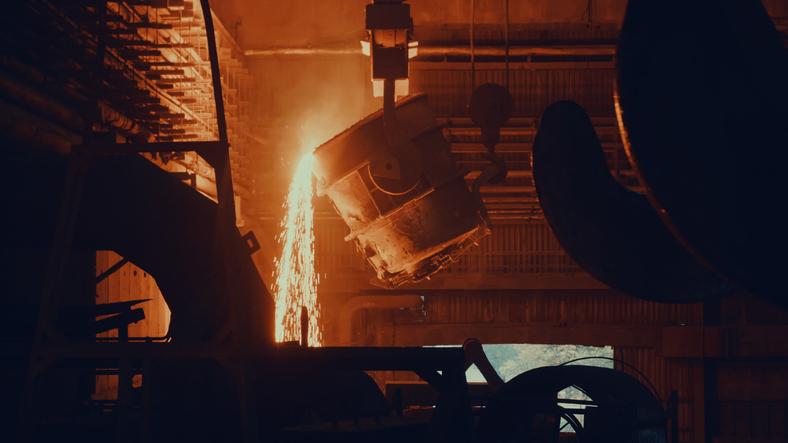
point(410, 236)
point(707, 129)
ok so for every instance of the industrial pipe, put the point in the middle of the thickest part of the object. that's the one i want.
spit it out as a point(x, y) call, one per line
point(125, 125)
point(54, 116)
point(67, 116)
point(518, 51)
point(27, 129)
point(359, 302)
point(606, 49)
point(41, 103)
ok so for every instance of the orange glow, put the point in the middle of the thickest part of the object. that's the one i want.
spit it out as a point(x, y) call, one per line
point(295, 279)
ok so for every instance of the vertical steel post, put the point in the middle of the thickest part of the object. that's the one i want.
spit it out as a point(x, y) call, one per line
point(304, 327)
point(224, 182)
point(506, 40)
point(472, 39)
point(226, 197)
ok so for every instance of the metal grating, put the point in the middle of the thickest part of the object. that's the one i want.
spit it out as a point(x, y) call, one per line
point(144, 64)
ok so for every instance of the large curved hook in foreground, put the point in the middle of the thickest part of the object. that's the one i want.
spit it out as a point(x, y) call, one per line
point(610, 231)
point(701, 97)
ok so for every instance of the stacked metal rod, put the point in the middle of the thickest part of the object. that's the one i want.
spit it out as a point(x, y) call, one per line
point(151, 85)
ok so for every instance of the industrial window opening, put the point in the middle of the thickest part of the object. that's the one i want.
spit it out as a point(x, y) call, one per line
point(510, 360)
point(118, 281)
point(133, 309)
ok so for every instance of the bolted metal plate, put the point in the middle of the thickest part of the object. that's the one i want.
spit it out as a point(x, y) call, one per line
point(396, 171)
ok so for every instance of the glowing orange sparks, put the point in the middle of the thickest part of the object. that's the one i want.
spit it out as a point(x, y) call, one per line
point(295, 279)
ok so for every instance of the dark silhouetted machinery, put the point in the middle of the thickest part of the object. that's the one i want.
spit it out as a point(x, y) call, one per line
point(219, 376)
point(707, 225)
point(611, 231)
point(724, 119)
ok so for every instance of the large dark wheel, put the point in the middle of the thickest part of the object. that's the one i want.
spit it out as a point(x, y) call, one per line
point(702, 97)
point(527, 408)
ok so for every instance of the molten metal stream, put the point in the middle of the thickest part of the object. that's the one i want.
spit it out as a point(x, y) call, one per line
point(295, 279)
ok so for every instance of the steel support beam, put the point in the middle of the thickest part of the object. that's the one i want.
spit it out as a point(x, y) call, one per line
point(111, 270)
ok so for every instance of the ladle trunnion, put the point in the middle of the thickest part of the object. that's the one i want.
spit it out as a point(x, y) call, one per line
point(408, 207)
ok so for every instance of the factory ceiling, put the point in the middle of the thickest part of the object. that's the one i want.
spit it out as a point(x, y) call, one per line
point(314, 22)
